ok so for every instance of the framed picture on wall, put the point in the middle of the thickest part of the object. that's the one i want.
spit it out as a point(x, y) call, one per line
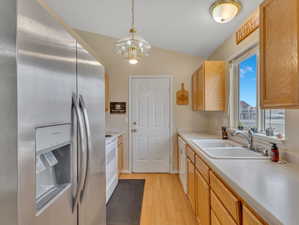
point(118, 107)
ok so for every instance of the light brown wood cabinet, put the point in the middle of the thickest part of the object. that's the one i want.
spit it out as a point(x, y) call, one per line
point(191, 183)
point(214, 219)
point(231, 203)
point(279, 52)
point(249, 218)
point(120, 150)
point(107, 92)
point(202, 200)
point(208, 87)
point(220, 211)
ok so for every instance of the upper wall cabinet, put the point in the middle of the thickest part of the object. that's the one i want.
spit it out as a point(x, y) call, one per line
point(208, 87)
point(107, 92)
point(279, 54)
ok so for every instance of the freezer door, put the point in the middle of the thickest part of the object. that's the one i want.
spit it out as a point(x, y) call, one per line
point(46, 82)
point(92, 209)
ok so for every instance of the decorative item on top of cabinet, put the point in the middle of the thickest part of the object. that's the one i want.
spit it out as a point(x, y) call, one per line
point(107, 92)
point(182, 96)
point(247, 28)
point(208, 87)
point(279, 52)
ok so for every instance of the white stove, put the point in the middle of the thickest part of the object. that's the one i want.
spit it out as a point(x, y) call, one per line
point(111, 165)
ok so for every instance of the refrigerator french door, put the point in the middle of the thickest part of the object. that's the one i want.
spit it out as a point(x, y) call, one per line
point(46, 77)
point(90, 85)
point(52, 158)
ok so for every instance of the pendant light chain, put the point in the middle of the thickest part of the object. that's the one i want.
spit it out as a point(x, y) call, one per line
point(133, 47)
point(133, 14)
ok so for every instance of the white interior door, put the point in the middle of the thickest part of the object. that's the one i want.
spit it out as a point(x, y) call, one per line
point(150, 124)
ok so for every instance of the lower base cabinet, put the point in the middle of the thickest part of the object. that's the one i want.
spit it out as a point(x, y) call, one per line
point(191, 183)
point(214, 219)
point(120, 150)
point(202, 200)
point(249, 218)
point(212, 201)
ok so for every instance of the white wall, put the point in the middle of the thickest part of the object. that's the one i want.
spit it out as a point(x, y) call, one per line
point(160, 62)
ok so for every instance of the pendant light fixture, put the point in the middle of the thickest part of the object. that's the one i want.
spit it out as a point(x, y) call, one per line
point(133, 47)
point(223, 11)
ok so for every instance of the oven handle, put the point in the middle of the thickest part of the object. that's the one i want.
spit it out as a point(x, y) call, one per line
point(81, 148)
point(82, 106)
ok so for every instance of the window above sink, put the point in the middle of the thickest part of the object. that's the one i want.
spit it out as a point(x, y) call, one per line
point(244, 101)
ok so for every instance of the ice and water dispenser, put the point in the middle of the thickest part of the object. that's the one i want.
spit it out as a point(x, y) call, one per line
point(53, 162)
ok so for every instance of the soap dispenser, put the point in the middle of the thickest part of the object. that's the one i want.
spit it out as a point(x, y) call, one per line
point(275, 153)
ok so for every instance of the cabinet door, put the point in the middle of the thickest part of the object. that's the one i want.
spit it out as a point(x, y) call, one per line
point(194, 90)
point(201, 89)
point(191, 183)
point(107, 92)
point(214, 219)
point(279, 54)
point(202, 200)
point(214, 86)
point(249, 218)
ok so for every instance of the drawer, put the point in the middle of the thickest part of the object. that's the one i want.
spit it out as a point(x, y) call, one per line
point(190, 153)
point(221, 213)
point(120, 140)
point(214, 219)
point(249, 218)
point(202, 167)
point(228, 199)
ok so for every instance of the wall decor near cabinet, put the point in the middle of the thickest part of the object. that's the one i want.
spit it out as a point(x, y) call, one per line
point(248, 27)
point(182, 96)
point(118, 107)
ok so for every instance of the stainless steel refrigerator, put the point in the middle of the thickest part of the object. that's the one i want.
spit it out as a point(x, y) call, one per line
point(52, 152)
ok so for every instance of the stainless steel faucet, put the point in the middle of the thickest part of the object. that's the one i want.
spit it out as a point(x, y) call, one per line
point(248, 136)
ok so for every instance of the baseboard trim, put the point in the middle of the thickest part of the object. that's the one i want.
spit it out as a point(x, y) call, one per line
point(125, 171)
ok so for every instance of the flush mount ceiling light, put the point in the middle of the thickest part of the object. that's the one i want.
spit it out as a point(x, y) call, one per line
point(133, 47)
point(223, 11)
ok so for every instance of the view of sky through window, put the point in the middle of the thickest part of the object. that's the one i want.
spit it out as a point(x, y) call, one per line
point(247, 92)
point(248, 85)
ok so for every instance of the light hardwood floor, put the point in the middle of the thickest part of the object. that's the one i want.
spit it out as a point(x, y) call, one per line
point(164, 202)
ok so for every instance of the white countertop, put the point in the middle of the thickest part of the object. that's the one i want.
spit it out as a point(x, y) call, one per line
point(114, 135)
point(271, 189)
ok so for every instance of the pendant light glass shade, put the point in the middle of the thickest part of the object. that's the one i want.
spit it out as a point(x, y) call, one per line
point(223, 11)
point(133, 47)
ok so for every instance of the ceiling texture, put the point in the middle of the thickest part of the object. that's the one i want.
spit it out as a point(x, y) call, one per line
point(180, 25)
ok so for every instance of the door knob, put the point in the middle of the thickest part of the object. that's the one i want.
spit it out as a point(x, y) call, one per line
point(134, 130)
point(134, 123)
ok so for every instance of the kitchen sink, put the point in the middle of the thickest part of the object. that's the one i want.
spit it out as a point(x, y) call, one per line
point(225, 149)
point(215, 143)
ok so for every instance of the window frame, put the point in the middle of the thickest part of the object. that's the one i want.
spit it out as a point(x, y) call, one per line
point(234, 93)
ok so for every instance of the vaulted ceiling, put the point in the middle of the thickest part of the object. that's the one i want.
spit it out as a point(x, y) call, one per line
point(180, 25)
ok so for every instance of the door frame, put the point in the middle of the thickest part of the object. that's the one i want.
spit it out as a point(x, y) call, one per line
point(130, 150)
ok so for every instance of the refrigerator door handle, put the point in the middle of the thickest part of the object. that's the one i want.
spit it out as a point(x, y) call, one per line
point(82, 105)
point(76, 110)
